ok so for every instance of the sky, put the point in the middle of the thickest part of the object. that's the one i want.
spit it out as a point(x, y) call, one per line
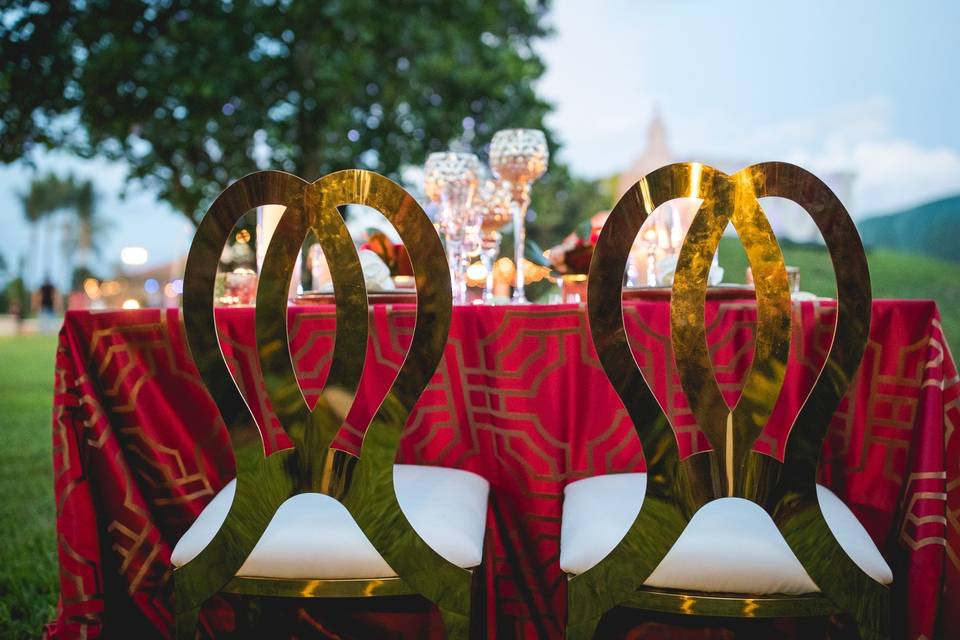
point(867, 87)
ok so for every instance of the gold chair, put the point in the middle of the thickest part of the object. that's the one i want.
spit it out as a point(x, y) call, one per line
point(312, 521)
point(726, 532)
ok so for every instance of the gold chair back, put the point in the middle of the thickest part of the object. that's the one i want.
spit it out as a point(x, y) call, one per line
point(364, 483)
point(677, 488)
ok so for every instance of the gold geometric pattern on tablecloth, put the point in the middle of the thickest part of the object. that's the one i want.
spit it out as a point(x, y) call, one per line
point(135, 539)
point(129, 359)
point(912, 528)
point(950, 390)
point(891, 405)
point(80, 586)
point(480, 411)
point(953, 515)
point(164, 468)
point(926, 515)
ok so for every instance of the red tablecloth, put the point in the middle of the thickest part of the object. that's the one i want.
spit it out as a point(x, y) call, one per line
point(519, 398)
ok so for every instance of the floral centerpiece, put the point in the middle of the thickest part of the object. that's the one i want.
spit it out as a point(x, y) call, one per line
point(573, 255)
point(393, 255)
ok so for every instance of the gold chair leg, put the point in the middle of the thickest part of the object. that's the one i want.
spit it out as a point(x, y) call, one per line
point(455, 624)
point(186, 622)
point(873, 621)
point(584, 630)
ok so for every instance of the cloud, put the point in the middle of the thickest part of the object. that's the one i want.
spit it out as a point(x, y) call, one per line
point(837, 125)
point(891, 172)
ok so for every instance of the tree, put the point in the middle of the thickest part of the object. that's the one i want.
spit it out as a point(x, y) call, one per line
point(85, 228)
point(192, 95)
point(562, 201)
point(46, 195)
point(49, 195)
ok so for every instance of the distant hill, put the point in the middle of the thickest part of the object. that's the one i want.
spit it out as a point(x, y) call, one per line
point(893, 274)
point(927, 229)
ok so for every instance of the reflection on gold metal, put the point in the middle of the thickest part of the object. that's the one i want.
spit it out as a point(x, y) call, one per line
point(269, 587)
point(731, 604)
point(363, 484)
point(677, 488)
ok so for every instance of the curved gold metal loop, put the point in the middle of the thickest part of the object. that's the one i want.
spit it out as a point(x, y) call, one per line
point(255, 501)
point(793, 502)
point(731, 432)
point(251, 191)
point(264, 483)
point(313, 430)
point(605, 291)
point(854, 303)
point(372, 498)
point(688, 333)
point(787, 491)
point(672, 494)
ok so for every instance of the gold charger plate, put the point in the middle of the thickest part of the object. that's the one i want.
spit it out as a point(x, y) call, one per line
point(720, 292)
point(403, 296)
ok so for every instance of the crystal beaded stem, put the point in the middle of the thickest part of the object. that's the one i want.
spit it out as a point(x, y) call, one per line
point(519, 156)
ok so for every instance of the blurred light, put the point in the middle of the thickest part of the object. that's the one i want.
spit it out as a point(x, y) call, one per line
point(476, 272)
point(178, 286)
point(151, 285)
point(243, 236)
point(532, 272)
point(169, 291)
point(503, 269)
point(92, 288)
point(110, 288)
point(130, 303)
point(353, 135)
point(133, 255)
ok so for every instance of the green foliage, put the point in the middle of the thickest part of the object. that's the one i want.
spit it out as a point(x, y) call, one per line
point(892, 275)
point(919, 229)
point(47, 195)
point(13, 295)
point(28, 561)
point(80, 274)
point(562, 202)
point(192, 95)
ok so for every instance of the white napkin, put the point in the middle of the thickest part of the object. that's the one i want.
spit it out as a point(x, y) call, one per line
point(667, 266)
point(376, 274)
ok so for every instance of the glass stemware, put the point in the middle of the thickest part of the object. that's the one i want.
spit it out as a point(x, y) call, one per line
point(456, 176)
point(519, 156)
point(495, 203)
point(431, 189)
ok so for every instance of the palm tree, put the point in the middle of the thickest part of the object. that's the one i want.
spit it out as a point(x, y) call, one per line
point(37, 205)
point(90, 226)
point(50, 195)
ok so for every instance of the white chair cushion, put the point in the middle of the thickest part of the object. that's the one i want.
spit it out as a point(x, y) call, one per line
point(731, 545)
point(313, 536)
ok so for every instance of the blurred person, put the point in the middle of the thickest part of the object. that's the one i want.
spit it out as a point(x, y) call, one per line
point(16, 310)
point(47, 304)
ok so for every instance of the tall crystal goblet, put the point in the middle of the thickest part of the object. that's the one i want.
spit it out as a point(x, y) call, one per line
point(495, 201)
point(431, 189)
point(456, 176)
point(519, 156)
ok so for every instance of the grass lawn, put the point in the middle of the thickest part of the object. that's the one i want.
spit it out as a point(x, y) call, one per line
point(892, 275)
point(28, 563)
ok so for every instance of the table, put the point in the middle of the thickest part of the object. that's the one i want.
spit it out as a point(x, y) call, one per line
point(519, 398)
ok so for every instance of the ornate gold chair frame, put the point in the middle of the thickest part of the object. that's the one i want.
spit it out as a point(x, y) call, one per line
point(364, 483)
point(677, 488)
